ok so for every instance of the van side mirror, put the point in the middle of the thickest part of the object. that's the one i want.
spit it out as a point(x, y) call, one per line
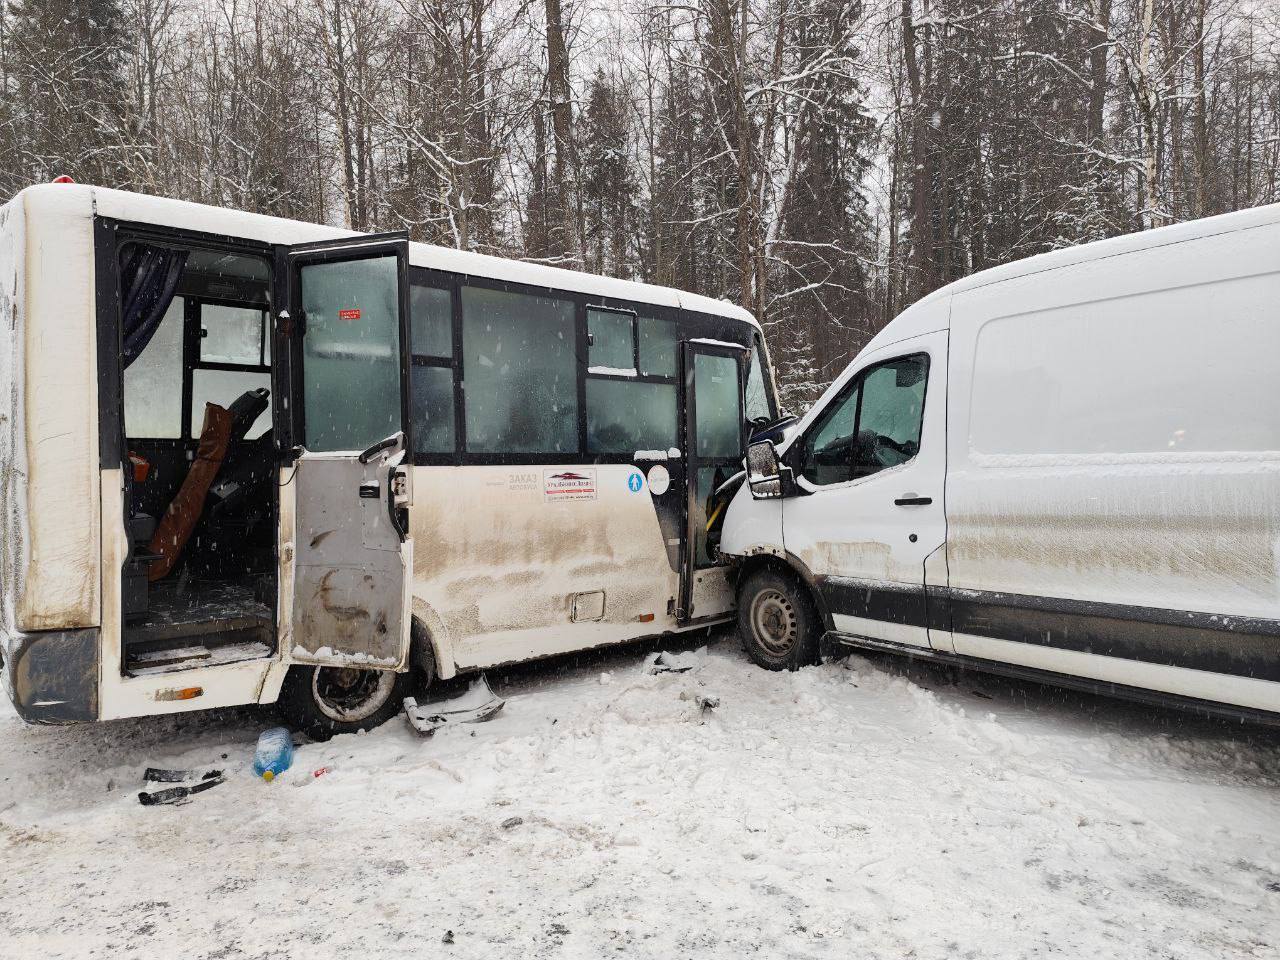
point(766, 475)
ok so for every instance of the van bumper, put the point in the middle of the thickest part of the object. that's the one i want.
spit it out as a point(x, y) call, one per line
point(53, 676)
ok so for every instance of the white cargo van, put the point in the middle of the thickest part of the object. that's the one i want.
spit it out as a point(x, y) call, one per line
point(1066, 468)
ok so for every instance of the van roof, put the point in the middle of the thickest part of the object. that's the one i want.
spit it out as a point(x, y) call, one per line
point(929, 313)
point(1114, 246)
point(142, 208)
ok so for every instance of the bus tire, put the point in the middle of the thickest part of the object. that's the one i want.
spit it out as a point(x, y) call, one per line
point(323, 702)
point(777, 620)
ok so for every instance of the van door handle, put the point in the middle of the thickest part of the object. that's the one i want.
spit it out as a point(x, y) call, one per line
point(911, 500)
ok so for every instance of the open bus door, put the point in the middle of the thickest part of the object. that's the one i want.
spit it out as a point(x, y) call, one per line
point(713, 375)
point(341, 387)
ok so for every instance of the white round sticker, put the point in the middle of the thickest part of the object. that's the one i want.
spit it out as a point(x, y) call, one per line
point(659, 479)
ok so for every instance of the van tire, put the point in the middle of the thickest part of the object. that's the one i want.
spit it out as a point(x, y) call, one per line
point(777, 620)
point(314, 700)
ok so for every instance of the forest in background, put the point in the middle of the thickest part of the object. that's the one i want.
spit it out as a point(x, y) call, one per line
point(824, 163)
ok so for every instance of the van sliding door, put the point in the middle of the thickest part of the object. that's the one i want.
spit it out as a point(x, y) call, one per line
point(342, 402)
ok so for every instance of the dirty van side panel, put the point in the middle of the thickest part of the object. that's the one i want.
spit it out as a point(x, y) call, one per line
point(61, 587)
point(1115, 461)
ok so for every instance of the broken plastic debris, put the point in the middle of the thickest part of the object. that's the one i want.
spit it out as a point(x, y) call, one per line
point(478, 704)
point(667, 662)
point(190, 782)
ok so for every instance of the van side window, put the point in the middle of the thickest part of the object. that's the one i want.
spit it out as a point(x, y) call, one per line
point(876, 424)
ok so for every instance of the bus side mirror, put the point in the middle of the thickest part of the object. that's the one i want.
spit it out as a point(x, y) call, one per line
point(766, 475)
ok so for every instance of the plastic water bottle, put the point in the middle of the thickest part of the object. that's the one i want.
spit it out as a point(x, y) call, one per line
point(274, 754)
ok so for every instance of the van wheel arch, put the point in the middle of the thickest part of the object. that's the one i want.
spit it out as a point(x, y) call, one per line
point(789, 566)
point(779, 623)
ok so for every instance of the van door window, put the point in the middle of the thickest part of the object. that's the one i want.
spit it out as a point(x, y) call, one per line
point(828, 446)
point(891, 415)
point(874, 425)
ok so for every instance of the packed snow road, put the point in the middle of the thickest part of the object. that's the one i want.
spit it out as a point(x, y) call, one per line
point(859, 809)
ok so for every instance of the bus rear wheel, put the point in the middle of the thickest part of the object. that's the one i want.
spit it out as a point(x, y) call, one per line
point(326, 701)
point(777, 621)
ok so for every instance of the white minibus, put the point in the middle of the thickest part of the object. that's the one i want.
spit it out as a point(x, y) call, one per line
point(1065, 468)
point(247, 459)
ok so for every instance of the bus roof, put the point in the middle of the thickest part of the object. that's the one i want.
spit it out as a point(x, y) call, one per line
point(142, 208)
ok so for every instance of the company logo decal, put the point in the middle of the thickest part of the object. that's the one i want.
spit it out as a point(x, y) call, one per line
point(635, 482)
point(568, 485)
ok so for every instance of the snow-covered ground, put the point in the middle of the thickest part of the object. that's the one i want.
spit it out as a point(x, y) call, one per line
point(860, 809)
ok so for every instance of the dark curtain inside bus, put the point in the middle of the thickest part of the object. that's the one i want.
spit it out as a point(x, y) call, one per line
point(148, 280)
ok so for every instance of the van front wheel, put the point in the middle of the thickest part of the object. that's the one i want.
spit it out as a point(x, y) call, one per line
point(326, 701)
point(777, 621)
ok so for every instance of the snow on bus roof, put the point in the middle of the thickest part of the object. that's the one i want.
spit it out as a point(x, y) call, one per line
point(137, 207)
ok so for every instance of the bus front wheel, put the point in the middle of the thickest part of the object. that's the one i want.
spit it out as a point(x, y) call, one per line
point(326, 701)
point(777, 620)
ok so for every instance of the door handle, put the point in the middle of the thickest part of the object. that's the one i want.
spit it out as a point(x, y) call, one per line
point(911, 500)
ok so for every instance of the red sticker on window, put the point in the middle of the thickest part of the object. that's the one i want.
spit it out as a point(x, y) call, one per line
point(348, 314)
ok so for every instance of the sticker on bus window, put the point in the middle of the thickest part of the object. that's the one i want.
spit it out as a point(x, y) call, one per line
point(348, 314)
point(568, 485)
point(659, 480)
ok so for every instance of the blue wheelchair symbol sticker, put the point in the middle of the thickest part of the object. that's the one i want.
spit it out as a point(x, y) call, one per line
point(635, 482)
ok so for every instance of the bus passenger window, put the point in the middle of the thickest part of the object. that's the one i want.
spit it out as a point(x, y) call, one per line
point(233, 335)
point(431, 386)
point(624, 416)
point(153, 382)
point(519, 372)
point(657, 347)
point(431, 321)
point(432, 396)
point(613, 341)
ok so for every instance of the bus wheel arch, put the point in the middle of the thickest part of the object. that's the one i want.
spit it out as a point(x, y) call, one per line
point(430, 645)
point(781, 619)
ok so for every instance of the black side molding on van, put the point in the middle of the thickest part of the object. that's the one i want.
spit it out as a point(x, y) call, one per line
point(837, 644)
point(1215, 643)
